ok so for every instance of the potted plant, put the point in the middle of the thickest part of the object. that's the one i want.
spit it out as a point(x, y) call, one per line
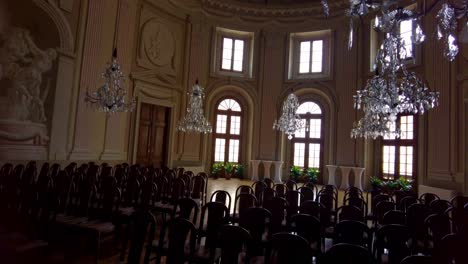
point(376, 183)
point(217, 169)
point(404, 184)
point(312, 175)
point(390, 186)
point(239, 171)
point(229, 169)
point(295, 172)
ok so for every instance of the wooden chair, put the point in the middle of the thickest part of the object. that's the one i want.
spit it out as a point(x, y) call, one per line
point(256, 220)
point(231, 248)
point(288, 248)
point(180, 232)
point(223, 197)
point(347, 253)
point(353, 232)
point(395, 239)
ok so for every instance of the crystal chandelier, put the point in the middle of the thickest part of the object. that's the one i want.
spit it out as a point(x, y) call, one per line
point(393, 90)
point(289, 122)
point(110, 98)
point(194, 120)
point(447, 17)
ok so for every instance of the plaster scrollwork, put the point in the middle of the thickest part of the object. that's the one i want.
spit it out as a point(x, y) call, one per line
point(23, 64)
point(158, 43)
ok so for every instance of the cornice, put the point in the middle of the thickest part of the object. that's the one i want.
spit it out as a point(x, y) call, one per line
point(229, 8)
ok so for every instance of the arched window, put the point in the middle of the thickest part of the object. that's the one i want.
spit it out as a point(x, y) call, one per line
point(399, 154)
point(227, 134)
point(307, 144)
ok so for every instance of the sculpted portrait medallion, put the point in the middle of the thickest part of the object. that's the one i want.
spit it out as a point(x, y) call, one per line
point(158, 43)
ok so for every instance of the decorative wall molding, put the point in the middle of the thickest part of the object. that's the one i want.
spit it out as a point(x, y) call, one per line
point(236, 8)
point(67, 40)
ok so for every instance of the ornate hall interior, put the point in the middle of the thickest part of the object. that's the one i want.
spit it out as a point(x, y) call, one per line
point(106, 106)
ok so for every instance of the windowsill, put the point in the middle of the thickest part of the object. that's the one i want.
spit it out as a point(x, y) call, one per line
point(230, 74)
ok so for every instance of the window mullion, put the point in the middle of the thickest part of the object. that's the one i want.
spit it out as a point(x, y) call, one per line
point(310, 56)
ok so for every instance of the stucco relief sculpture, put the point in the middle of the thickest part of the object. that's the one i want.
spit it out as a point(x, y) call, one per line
point(22, 113)
point(23, 64)
point(158, 43)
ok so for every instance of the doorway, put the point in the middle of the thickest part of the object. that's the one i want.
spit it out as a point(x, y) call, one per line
point(153, 135)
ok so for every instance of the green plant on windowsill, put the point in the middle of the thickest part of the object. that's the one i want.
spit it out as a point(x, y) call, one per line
point(375, 182)
point(312, 174)
point(390, 186)
point(295, 172)
point(229, 169)
point(239, 171)
point(404, 184)
point(217, 169)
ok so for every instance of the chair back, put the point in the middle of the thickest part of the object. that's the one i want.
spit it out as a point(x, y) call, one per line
point(308, 227)
point(243, 202)
point(287, 248)
point(223, 197)
point(307, 192)
point(140, 232)
point(395, 239)
point(348, 253)
point(186, 208)
point(395, 217)
point(349, 212)
point(239, 238)
point(353, 232)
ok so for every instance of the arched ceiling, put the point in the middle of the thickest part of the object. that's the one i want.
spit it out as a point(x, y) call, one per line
point(276, 2)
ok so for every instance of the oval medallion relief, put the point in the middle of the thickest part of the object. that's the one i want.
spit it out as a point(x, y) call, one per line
point(158, 43)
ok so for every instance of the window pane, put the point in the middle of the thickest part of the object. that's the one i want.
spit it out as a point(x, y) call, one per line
point(388, 160)
point(226, 65)
point(407, 127)
point(227, 54)
point(230, 104)
point(301, 132)
point(234, 150)
point(304, 67)
point(315, 128)
point(314, 155)
point(406, 161)
point(309, 107)
point(238, 54)
point(221, 124)
point(317, 56)
point(406, 34)
point(299, 153)
point(392, 128)
point(220, 146)
point(235, 125)
point(304, 57)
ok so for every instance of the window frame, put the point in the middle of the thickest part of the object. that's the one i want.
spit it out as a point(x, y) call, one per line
point(295, 49)
point(232, 55)
point(227, 136)
point(397, 143)
point(307, 140)
point(247, 60)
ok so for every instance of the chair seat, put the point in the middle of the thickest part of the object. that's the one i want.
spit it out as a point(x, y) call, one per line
point(202, 254)
point(18, 243)
point(164, 207)
point(126, 211)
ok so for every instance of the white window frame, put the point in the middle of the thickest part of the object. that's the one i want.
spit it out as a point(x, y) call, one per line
point(247, 61)
point(295, 40)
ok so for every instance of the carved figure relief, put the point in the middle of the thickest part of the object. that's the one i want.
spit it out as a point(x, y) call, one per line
point(158, 43)
point(23, 64)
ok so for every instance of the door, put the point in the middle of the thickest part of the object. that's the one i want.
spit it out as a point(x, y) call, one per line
point(153, 135)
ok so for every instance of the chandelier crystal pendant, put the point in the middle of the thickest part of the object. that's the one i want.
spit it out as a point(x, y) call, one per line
point(194, 120)
point(110, 98)
point(290, 121)
point(393, 90)
point(447, 20)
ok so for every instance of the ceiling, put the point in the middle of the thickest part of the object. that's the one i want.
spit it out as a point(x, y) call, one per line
point(276, 2)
